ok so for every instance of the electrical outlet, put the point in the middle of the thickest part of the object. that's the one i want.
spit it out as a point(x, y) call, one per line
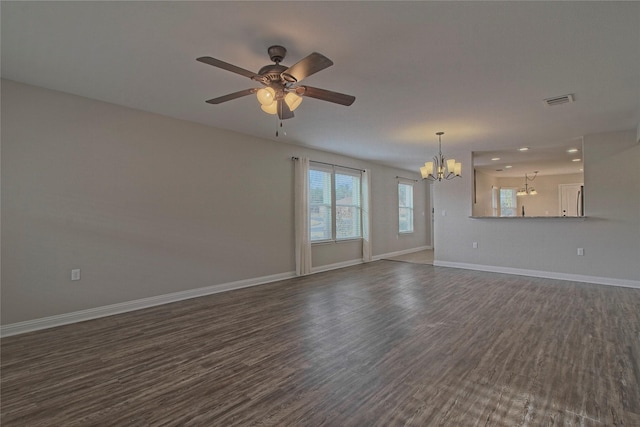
point(580, 251)
point(475, 245)
point(75, 274)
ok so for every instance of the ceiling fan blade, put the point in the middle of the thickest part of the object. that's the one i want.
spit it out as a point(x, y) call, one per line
point(307, 66)
point(229, 97)
point(229, 67)
point(283, 110)
point(325, 95)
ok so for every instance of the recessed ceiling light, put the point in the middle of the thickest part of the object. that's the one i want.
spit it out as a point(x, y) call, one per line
point(523, 149)
point(496, 158)
point(508, 167)
point(576, 160)
point(572, 150)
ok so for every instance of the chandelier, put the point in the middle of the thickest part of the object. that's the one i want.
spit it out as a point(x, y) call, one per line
point(526, 190)
point(443, 168)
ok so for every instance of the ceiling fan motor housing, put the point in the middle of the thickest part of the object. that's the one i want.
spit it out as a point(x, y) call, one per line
point(277, 53)
point(272, 72)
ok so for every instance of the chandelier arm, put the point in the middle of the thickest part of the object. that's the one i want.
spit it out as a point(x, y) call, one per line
point(440, 164)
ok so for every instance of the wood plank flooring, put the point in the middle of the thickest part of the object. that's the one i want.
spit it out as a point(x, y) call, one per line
point(420, 257)
point(379, 344)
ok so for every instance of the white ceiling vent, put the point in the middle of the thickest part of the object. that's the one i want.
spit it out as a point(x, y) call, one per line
point(559, 100)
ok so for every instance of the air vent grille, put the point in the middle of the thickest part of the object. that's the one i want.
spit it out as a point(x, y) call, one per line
point(559, 100)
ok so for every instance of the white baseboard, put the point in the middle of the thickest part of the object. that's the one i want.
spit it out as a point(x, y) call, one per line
point(398, 253)
point(109, 310)
point(543, 274)
point(123, 307)
point(336, 265)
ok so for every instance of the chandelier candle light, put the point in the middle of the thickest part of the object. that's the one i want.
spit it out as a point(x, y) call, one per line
point(444, 168)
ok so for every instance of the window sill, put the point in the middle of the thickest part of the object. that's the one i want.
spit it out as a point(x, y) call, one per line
point(330, 242)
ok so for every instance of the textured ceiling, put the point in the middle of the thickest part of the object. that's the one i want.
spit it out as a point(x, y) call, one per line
point(478, 71)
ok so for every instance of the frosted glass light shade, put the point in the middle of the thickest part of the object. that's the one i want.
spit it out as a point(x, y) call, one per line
point(458, 169)
point(423, 172)
point(271, 108)
point(293, 101)
point(266, 96)
point(451, 165)
point(429, 168)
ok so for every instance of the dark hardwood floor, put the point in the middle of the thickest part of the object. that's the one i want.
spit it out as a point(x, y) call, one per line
point(379, 344)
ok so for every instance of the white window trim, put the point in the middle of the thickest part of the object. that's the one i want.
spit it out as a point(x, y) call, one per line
point(333, 169)
point(413, 225)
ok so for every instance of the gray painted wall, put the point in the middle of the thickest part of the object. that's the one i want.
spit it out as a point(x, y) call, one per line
point(147, 205)
point(610, 235)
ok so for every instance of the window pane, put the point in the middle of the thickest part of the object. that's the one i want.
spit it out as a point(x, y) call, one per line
point(508, 202)
point(405, 208)
point(348, 217)
point(326, 220)
point(319, 205)
point(347, 222)
point(406, 220)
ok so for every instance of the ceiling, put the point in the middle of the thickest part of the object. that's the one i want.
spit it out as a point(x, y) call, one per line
point(479, 71)
point(558, 159)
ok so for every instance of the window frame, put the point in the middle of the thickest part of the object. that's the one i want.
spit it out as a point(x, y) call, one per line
point(514, 198)
point(333, 208)
point(329, 205)
point(357, 207)
point(411, 209)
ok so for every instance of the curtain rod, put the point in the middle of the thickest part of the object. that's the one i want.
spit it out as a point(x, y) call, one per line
point(331, 164)
point(408, 179)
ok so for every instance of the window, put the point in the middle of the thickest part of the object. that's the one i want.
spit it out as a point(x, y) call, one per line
point(348, 216)
point(334, 204)
point(320, 211)
point(508, 202)
point(405, 208)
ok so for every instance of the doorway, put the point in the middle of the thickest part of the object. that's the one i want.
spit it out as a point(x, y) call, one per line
point(571, 199)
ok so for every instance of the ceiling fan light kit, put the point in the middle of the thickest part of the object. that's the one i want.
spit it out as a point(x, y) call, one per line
point(280, 95)
point(266, 96)
point(444, 168)
point(292, 100)
point(271, 108)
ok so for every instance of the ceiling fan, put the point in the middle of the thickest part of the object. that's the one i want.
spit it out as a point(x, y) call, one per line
point(281, 94)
